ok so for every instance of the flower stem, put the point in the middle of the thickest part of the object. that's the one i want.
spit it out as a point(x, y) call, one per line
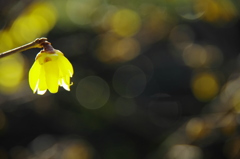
point(47, 47)
point(38, 43)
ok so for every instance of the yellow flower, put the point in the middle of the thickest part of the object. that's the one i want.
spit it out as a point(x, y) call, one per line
point(50, 70)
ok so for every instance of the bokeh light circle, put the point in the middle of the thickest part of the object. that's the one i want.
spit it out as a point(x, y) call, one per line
point(80, 11)
point(181, 36)
point(195, 55)
point(129, 81)
point(183, 151)
point(205, 86)
point(11, 73)
point(126, 22)
point(113, 49)
point(92, 92)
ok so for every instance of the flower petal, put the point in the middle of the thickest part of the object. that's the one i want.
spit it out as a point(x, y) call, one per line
point(42, 86)
point(34, 74)
point(52, 75)
point(65, 65)
point(41, 92)
point(65, 83)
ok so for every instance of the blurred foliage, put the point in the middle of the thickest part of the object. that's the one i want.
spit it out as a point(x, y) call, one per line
point(153, 79)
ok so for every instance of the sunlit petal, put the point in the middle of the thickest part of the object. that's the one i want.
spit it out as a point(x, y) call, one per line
point(42, 86)
point(65, 65)
point(34, 74)
point(41, 92)
point(66, 83)
point(52, 76)
point(50, 71)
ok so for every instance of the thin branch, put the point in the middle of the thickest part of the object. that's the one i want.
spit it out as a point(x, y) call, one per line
point(38, 43)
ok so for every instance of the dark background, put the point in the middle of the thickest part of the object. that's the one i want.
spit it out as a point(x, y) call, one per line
point(152, 79)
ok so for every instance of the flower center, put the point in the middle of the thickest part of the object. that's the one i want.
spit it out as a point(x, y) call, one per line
point(47, 59)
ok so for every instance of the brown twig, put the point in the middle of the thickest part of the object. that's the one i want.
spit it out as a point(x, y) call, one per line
point(38, 43)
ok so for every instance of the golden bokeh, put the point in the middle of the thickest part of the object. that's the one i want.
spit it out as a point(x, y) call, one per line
point(184, 151)
point(196, 129)
point(102, 17)
point(215, 10)
point(77, 151)
point(113, 49)
point(6, 41)
point(205, 86)
point(11, 73)
point(156, 23)
point(195, 56)
point(229, 124)
point(80, 11)
point(34, 22)
point(125, 22)
point(235, 100)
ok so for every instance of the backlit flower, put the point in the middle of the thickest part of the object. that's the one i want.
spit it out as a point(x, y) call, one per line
point(49, 71)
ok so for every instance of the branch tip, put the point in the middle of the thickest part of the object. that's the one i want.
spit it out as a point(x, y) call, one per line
point(37, 43)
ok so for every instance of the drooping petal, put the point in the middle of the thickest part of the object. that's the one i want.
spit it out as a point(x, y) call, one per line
point(41, 92)
point(66, 83)
point(65, 65)
point(50, 71)
point(52, 75)
point(34, 74)
point(42, 85)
